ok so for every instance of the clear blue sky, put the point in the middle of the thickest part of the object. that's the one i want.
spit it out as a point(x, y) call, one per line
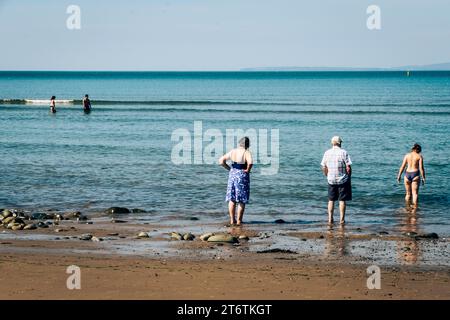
point(221, 34)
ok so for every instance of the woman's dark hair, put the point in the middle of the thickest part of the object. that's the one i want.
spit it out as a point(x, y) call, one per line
point(53, 97)
point(244, 142)
point(86, 96)
point(417, 148)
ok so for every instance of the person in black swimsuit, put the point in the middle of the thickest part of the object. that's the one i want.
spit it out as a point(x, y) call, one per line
point(413, 162)
point(52, 104)
point(86, 103)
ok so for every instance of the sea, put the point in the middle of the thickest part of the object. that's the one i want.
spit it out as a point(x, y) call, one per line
point(122, 152)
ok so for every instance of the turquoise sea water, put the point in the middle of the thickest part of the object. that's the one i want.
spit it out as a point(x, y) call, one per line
point(120, 153)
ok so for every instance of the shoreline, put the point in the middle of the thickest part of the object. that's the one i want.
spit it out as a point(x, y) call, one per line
point(119, 234)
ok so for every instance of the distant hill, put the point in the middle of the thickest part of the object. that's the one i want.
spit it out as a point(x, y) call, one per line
point(429, 67)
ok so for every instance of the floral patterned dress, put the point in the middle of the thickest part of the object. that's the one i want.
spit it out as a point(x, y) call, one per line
point(238, 189)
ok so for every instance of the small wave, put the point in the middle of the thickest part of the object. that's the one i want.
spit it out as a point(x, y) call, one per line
point(34, 101)
point(220, 102)
point(138, 102)
point(37, 101)
point(255, 111)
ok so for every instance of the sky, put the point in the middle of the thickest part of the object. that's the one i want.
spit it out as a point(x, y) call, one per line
point(221, 34)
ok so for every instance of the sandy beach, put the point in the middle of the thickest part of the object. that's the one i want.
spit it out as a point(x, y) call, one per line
point(119, 265)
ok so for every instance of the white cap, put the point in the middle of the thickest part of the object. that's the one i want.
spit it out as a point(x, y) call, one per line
point(336, 140)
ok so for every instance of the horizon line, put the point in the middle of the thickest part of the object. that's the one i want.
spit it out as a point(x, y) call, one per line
point(262, 69)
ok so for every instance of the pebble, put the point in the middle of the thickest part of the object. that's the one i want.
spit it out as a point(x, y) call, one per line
point(6, 213)
point(31, 226)
point(71, 215)
point(7, 220)
point(42, 225)
point(86, 236)
point(244, 237)
point(17, 227)
point(117, 210)
point(264, 235)
point(280, 221)
point(188, 236)
point(205, 236)
point(95, 239)
point(223, 238)
point(410, 234)
point(276, 250)
point(427, 236)
point(176, 236)
point(40, 216)
point(143, 234)
point(117, 221)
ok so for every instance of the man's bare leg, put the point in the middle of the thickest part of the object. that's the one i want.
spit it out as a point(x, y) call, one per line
point(415, 191)
point(330, 211)
point(231, 211)
point(342, 207)
point(240, 213)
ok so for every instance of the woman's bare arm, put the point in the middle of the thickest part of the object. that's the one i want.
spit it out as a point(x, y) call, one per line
point(422, 169)
point(249, 160)
point(402, 168)
point(223, 161)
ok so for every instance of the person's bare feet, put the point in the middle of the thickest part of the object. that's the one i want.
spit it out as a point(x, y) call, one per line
point(238, 223)
point(231, 224)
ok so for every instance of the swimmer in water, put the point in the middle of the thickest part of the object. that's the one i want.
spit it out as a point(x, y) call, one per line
point(52, 104)
point(86, 103)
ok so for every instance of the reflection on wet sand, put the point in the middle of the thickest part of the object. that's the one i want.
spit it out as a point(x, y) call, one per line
point(408, 251)
point(335, 241)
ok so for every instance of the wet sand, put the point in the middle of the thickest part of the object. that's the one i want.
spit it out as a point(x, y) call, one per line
point(309, 265)
point(43, 276)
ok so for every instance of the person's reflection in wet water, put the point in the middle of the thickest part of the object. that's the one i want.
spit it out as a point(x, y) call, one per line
point(336, 241)
point(408, 251)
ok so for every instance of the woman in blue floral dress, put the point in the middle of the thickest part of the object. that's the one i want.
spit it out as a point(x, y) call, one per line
point(238, 189)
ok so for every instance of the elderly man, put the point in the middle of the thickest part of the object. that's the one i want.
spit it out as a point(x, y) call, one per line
point(336, 166)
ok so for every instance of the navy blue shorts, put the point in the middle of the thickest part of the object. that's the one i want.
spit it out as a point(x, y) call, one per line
point(341, 192)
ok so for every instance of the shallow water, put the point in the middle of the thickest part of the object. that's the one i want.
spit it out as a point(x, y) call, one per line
point(120, 153)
